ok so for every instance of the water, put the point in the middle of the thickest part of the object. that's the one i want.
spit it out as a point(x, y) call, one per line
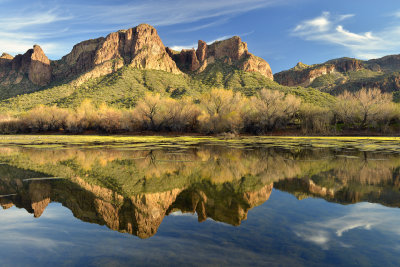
point(199, 205)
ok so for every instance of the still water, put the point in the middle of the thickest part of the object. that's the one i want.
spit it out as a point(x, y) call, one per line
point(203, 204)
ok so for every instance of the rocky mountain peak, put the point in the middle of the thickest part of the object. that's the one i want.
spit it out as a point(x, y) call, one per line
point(231, 51)
point(139, 47)
point(34, 64)
point(300, 66)
point(39, 71)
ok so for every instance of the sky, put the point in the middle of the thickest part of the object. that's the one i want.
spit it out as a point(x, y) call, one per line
point(283, 32)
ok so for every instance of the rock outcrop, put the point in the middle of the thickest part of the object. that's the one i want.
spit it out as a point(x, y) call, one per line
point(304, 75)
point(34, 64)
point(231, 51)
point(139, 47)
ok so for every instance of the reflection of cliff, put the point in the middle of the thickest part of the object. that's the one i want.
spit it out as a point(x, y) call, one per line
point(383, 190)
point(224, 206)
point(132, 191)
point(140, 214)
point(34, 196)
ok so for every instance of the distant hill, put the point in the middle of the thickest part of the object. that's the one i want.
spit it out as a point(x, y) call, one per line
point(120, 68)
point(338, 75)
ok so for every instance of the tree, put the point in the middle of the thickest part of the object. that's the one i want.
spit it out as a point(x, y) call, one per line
point(363, 107)
point(222, 111)
point(273, 109)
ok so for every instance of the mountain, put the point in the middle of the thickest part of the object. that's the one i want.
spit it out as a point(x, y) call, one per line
point(338, 75)
point(120, 68)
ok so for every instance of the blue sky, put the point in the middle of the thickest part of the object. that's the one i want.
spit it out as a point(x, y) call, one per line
point(283, 32)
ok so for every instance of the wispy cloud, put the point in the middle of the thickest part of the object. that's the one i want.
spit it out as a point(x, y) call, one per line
point(364, 216)
point(194, 45)
point(62, 25)
point(328, 28)
point(162, 13)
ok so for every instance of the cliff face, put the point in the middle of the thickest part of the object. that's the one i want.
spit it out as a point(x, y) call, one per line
point(304, 75)
point(139, 47)
point(33, 65)
point(140, 214)
point(231, 51)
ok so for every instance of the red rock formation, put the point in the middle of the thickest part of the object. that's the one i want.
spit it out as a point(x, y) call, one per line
point(304, 75)
point(139, 47)
point(231, 51)
point(201, 51)
point(39, 68)
point(34, 63)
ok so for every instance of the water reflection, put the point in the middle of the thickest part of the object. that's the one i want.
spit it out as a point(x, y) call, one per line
point(132, 191)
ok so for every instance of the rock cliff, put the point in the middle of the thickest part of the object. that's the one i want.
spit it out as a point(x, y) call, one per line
point(139, 47)
point(231, 51)
point(304, 75)
point(33, 65)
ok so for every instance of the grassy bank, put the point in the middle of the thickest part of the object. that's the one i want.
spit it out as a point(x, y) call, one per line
point(387, 144)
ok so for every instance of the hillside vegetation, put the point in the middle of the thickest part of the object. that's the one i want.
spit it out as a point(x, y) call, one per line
point(126, 86)
point(215, 111)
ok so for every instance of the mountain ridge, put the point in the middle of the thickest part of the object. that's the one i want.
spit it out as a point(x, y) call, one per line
point(139, 47)
point(345, 74)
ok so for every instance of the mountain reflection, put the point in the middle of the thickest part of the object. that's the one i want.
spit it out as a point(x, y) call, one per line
point(132, 191)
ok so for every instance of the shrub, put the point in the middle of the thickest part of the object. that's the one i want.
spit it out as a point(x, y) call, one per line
point(271, 110)
point(222, 111)
point(315, 119)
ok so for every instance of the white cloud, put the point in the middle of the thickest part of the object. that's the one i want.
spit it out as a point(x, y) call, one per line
point(366, 45)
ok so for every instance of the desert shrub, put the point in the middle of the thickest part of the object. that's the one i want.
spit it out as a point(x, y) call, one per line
point(181, 115)
point(363, 108)
point(109, 119)
point(221, 111)
point(271, 110)
point(44, 118)
point(150, 111)
point(85, 117)
point(10, 124)
point(315, 119)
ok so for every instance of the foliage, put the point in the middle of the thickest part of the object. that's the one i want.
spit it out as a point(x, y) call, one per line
point(125, 87)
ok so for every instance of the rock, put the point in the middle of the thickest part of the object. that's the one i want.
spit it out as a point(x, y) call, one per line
point(139, 47)
point(231, 51)
point(39, 68)
point(304, 75)
point(256, 64)
point(201, 52)
point(6, 56)
point(387, 63)
point(186, 59)
point(34, 64)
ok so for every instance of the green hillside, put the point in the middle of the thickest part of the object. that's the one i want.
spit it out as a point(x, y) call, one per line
point(124, 87)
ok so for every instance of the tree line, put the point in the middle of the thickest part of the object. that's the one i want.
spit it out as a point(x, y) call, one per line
point(217, 111)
